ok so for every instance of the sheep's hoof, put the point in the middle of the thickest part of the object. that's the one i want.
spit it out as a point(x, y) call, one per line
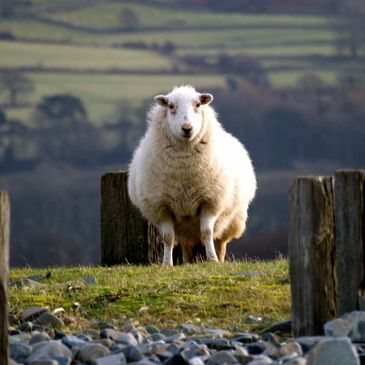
point(213, 258)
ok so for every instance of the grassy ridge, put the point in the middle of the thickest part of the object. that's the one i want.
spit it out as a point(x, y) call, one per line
point(219, 295)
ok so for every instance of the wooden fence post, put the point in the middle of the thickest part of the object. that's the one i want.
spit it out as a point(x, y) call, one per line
point(311, 254)
point(350, 237)
point(126, 237)
point(4, 267)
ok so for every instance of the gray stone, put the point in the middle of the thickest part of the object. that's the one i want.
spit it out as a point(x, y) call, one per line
point(308, 342)
point(196, 361)
point(13, 320)
point(191, 328)
point(282, 327)
point(222, 357)
point(132, 353)
point(91, 351)
point(49, 320)
point(178, 337)
point(295, 360)
point(350, 324)
point(336, 351)
point(245, 337)
point(117, 359)
point(110, 333)
point(176, 360)
point(44, 362)
point(72, 341)
point(262, 360)
point(290, 348)
point(90, 280)
point(20, 351)
point(26, 327)
point(49, 350)
point(107, 342)
point(217, 343)
point(39, 337)
point(127, 339)
point(33, 313)
point(91, 332)
point(157, 337)
point(252, 319)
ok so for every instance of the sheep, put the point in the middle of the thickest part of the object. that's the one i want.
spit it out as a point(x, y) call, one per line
point(189, 177)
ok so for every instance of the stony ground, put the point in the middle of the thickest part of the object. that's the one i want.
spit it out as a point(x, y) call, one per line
point(36, 338)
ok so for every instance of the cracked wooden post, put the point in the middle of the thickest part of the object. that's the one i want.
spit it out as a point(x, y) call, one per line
point(4, 267)
point(350, 237)
point(312, 254)
point(126, 237)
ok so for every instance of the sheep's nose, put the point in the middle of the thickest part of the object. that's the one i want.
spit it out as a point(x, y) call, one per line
point(187, 128)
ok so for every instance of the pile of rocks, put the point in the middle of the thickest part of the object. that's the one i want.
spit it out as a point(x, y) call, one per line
point(38, 340)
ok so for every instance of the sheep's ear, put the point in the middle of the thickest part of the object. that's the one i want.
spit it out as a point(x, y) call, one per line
point(161, 100)
point(205, 98)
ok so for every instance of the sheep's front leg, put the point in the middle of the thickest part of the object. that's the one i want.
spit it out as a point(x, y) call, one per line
point(168, 236)
point(207, 222)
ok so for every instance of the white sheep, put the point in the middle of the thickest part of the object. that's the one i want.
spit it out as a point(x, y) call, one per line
point(189, 177)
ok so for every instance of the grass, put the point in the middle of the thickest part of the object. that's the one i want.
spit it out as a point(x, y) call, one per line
point(218, 295)
point(101, 93)
point(19, 54)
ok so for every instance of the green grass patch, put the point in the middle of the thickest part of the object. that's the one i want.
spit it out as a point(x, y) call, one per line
point(101, 93)
point(218, 295)
point(16, 54)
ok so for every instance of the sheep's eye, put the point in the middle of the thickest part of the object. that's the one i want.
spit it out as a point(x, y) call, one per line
point(171, 107)
point(198, 105)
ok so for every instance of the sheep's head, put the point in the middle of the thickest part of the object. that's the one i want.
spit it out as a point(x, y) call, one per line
point(184, 111)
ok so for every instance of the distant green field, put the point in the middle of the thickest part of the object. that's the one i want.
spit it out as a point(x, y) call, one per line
point(265, 36)
point(101, 93)
point(78, 57)
point(107, 15)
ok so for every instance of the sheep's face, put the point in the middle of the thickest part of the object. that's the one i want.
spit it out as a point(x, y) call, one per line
point(184, 111)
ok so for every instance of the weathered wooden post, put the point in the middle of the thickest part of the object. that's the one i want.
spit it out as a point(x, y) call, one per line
point(126, 237)
point(312, 254)
point(350, 237)
point(4, 267)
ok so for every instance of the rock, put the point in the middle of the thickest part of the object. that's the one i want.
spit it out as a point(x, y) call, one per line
point(20, 351)
point(350, 324)
point(178, 337)
point(176, 360)
point(110, 333)
point(33, 313)
point(282, 327)
point(72, 341)
point(290, 348)
point(191, 329)
point(13, 320)
point(49, 320)
point(117, 359)
point(336, 351)
point(222, 357)
point(263, 360)
point(91, 352)
point(90, 280)
point(94, 334)
point(108, 343)
point(256, 348)
point(245, 337)
point(196, 361)
point(44, 362)
point(217, 343)
point(127, 339)
point(26, 327)
point(157, 337)
point(50, 350)
point(39, 337)
point(132, 353)
point(296, 360)
point(308, 342)
point(150, 328)
point(252, 319)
